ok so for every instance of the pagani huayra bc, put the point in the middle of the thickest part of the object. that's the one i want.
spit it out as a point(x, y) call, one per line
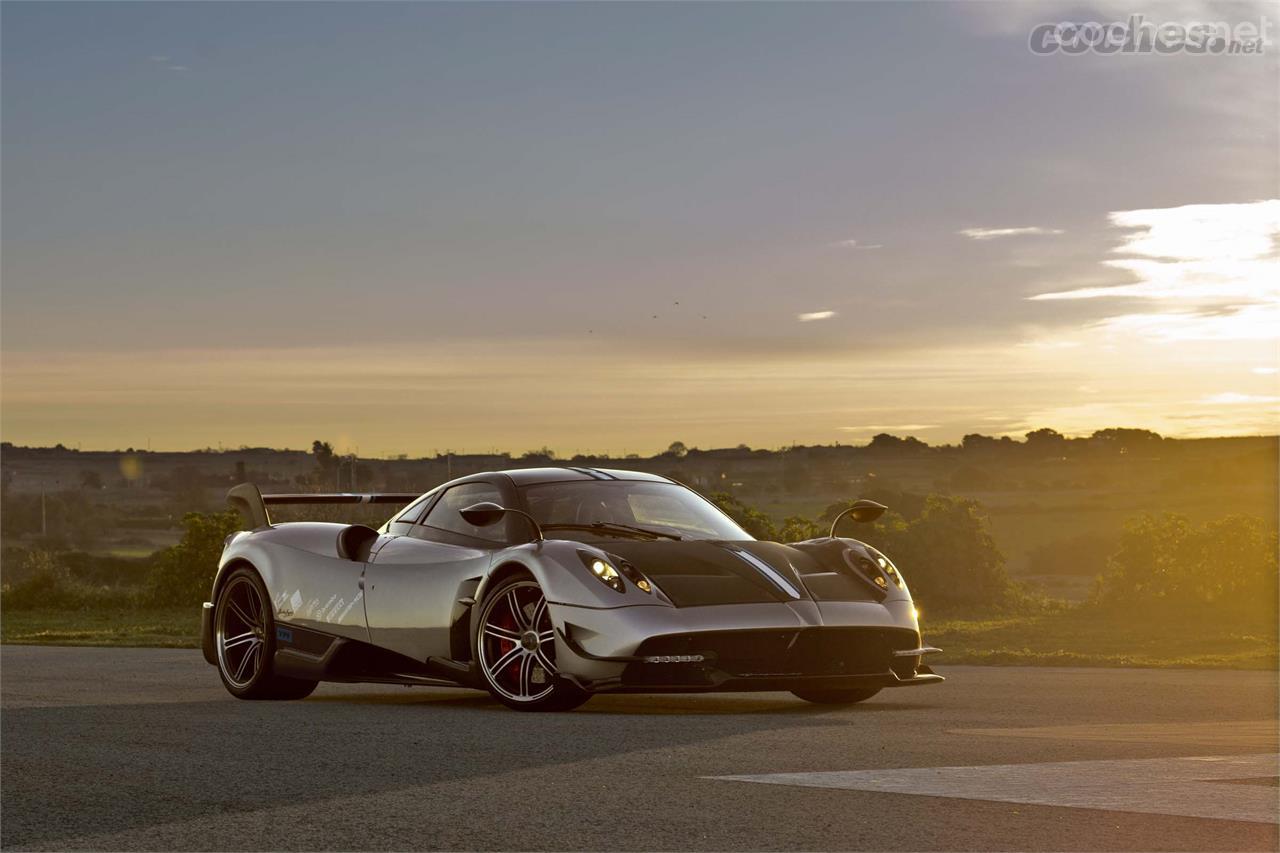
point(544, 586)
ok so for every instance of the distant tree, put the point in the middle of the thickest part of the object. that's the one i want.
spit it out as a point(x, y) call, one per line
point(885, 441)
point(1046, 442)
point(183, 574)
point(1125, 440)
point(324, 455)
point(796, 529)
point(748, 518)
point(892, 443)
point(543, 454)
point(977, 442)
point(677, 449)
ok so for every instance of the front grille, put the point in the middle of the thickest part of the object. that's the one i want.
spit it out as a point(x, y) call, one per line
point(819, 651)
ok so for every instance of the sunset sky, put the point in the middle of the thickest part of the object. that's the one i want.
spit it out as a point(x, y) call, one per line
point(414, 227)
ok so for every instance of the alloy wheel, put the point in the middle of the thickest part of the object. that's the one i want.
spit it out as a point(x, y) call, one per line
point(241, 632)
point(517, 643)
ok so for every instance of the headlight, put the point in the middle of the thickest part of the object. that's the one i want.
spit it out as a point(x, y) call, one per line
point(602, 569)
point(611, 573)
point(887, 566)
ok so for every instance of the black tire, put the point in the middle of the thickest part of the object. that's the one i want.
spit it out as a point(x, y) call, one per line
point(244, 637)
point(515, 650)
point(818, 696)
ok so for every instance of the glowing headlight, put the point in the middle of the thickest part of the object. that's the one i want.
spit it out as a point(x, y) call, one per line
point(603, 570)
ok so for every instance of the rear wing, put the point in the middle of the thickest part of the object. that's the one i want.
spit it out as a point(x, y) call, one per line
point(252, 504)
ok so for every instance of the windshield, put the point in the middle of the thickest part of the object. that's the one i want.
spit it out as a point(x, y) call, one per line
point(614, 505)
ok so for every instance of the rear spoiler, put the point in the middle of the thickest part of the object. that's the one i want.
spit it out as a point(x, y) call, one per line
point(252, 504)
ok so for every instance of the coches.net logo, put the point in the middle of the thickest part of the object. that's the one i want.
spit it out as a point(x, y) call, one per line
point(1137, 35)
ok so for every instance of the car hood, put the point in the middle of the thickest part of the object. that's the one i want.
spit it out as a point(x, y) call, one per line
point(702, 572)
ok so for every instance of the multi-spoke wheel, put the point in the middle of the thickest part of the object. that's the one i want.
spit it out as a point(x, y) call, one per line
point(244, 635)
point(515, 646)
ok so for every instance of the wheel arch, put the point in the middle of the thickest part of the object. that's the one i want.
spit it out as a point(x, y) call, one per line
point(207, 626)
point(494, 578)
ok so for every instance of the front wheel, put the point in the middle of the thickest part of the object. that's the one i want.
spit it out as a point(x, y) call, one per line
point(244, 636)
point(516, 649)
point(819, 696)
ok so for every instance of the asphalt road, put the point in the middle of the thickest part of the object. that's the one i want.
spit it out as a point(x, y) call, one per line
point(111, 749)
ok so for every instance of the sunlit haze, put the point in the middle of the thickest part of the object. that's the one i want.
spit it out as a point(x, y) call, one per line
point(409, 228)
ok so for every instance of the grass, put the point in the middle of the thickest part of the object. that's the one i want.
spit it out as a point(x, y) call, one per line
point(1076, 637)
point(1087, 637)
point(163, 628)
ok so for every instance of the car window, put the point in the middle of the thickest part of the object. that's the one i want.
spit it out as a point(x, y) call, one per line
point(444, 515)
point(661, 506)
point(411, 513)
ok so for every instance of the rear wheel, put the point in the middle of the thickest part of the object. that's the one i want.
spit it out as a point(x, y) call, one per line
point(515, 646)
point(835, 697)
point(244, 636)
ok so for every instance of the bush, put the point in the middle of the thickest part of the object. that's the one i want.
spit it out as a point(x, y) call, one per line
point(949, 557)
point(748, 518)
point(183, 574)
point(48, 584)
point(944, 548)
point(1166, 562)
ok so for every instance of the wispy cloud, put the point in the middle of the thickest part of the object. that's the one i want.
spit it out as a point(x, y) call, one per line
point(1232, 398)
point(1212, 270)
point(1266, 371)
point(815, 315)
point(855, 244)
point(167, 62)
point(1021, 231)
point(890, 428)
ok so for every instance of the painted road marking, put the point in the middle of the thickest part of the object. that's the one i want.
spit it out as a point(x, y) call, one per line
point(1189, 787)
point(1225, 734)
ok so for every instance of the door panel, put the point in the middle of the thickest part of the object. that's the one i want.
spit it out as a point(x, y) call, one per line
point(411, 587)
point(315, 591)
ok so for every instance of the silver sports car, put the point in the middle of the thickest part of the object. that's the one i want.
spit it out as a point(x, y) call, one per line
point(546, 585)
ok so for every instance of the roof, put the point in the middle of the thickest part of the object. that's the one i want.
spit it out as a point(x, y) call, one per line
point(529, 476)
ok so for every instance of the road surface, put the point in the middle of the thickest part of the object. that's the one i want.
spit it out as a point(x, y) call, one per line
point(124, 749)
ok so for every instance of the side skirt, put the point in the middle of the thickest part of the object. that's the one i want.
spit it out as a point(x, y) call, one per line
point(316, 656)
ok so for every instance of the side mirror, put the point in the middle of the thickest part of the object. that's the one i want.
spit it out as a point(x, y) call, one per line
point(482, 514)
point(861, 511)
point(486, 513)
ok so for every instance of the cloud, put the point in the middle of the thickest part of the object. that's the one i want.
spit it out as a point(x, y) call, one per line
point(815, 315)
point(167, 62)
point(1266, 371)
point(854, 244)
point(1231, 398)
point(1022, 231)
point(1211, 270)
point(890, 428)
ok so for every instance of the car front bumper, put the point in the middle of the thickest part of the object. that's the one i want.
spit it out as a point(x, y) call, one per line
point(741, 647)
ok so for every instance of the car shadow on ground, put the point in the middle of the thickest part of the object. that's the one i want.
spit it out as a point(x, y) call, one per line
point(647, 704)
